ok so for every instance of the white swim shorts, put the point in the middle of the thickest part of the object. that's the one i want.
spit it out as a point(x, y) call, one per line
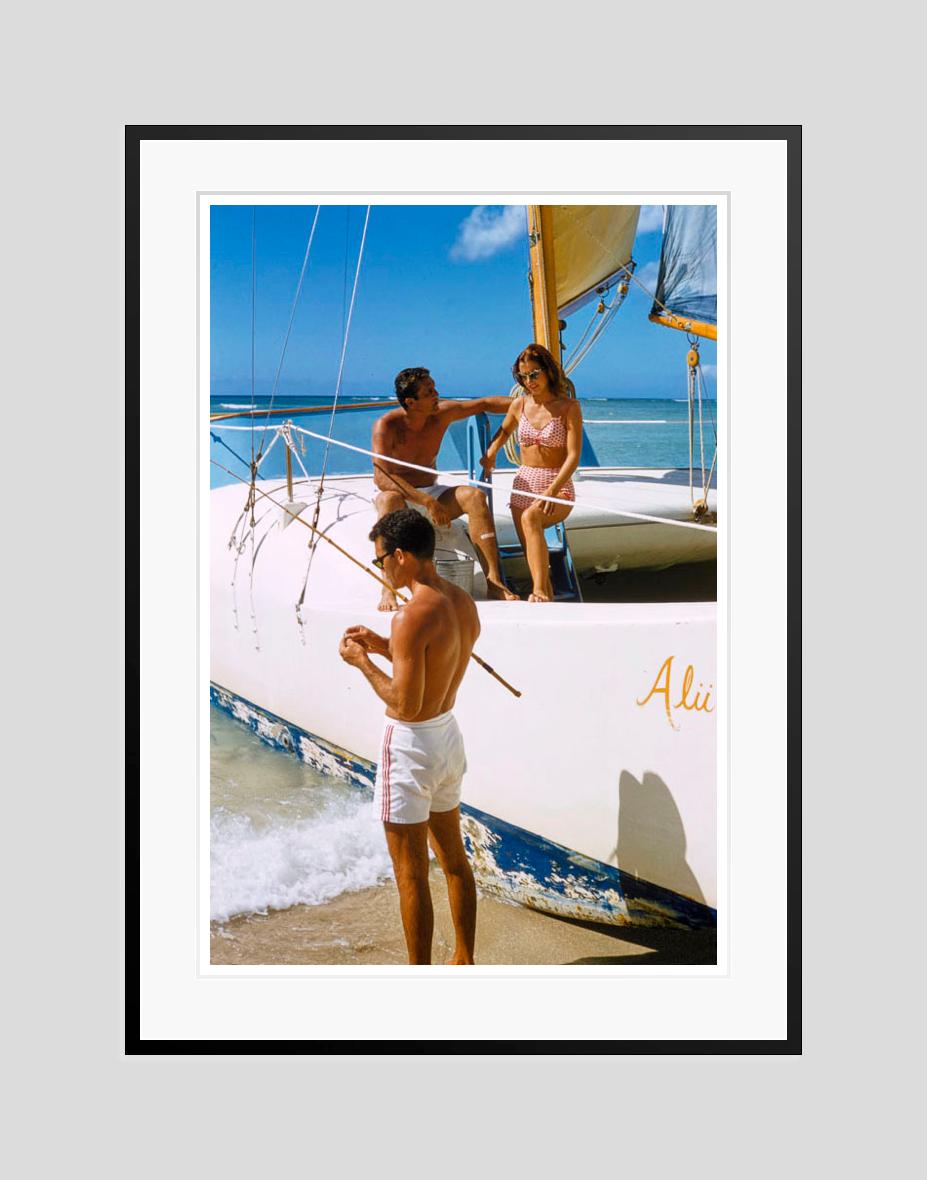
point(422, 764)
point(435, 490)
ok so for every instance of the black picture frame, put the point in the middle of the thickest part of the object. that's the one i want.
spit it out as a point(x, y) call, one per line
point(790, 1044)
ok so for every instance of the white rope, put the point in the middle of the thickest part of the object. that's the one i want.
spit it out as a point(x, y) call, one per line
point(701, 434)
point(690, 387)
point(715, 456)
point(478, 483)
point(578, 355)
point(264, 455)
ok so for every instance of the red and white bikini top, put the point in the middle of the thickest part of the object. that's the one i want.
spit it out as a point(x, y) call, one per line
point(553, 435)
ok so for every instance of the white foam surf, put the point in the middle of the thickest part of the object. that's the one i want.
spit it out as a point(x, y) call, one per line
point(257, 866)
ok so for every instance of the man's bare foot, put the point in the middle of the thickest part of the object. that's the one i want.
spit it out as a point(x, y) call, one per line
point(387, 601)
point(497, 591)
point(534, 597)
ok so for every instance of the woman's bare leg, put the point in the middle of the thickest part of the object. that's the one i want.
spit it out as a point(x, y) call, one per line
point(533, 522)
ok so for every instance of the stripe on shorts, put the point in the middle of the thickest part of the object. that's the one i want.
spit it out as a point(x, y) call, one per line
point(387, 762)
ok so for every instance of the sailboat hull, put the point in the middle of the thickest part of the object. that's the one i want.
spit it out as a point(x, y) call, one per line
point(590, 795)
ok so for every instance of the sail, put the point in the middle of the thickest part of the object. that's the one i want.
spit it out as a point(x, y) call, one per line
point(592, 244)
point(687, 289)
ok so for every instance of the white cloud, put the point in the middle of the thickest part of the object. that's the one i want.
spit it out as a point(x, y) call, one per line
point(651, 219)
point(487, 230)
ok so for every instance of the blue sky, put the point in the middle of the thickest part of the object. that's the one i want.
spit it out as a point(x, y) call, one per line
point(440, 286)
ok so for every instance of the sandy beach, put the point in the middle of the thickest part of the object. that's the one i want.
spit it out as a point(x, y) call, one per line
point(364, 928)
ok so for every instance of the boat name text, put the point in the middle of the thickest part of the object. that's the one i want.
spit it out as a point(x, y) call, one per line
point(662, 687)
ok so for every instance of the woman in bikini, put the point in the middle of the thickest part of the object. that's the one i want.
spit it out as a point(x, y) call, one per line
point(550, 432)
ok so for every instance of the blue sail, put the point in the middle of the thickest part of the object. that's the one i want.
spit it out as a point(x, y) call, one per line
point(687, 288)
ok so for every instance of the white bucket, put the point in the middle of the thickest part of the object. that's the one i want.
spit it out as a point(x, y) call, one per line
point(456, 567)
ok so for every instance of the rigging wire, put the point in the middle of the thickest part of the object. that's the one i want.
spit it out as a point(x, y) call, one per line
point(344, 348)
point(249, 509)
point(331, 423)
point(586, 331)
point(320, 488)
point(253, 297)
point(344, 278)
point(299, 287)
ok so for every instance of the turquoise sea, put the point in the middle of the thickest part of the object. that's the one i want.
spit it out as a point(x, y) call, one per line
point(623, 432)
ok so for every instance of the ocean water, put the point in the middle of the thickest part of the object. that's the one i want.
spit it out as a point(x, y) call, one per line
point(624, 432)
point(282, 834)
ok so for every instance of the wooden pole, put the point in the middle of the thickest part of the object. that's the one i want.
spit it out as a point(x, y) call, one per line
point(367, 570)
point(385, 403)
point(544, 279)
point(289, 472)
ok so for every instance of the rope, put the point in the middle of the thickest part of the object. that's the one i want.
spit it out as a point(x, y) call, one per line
point(699, 380)
point(690, 392)
point(710, 474)
point(479, 483)
point(299, 287)
point(367, 570)
point(510, 447)
point(579, 354)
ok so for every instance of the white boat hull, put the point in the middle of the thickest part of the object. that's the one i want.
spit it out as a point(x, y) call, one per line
point(607, 756)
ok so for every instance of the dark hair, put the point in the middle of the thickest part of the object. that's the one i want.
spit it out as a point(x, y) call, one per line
point(408, 530)
point(406, 383)
point(559, 382)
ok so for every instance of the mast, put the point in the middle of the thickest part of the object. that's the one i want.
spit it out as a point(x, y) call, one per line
point(543, 279)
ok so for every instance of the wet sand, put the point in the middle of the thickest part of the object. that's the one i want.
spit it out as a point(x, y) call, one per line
point(364, 928)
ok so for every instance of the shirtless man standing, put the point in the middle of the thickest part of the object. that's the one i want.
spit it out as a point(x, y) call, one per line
point(422, 763)
point(414, 433)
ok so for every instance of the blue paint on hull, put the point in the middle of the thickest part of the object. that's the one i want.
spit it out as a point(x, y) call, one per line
point(508, 862)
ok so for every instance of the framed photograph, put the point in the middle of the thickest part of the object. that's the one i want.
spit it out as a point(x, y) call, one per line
point(466, 614)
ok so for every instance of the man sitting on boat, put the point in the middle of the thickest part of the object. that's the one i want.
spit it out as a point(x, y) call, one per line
point(417, 791)
point(414, 434)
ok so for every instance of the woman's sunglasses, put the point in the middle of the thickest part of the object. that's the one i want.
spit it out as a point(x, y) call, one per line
point(523, 377)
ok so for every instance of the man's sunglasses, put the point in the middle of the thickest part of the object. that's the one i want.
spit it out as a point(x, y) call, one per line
point(378, 561)
point(523, 377)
